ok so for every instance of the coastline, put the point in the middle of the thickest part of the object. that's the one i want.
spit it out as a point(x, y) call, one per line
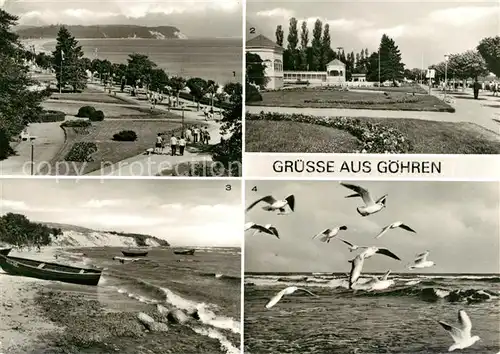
point(38, 316)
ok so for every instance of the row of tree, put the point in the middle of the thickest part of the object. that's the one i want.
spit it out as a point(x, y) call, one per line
point(19, 231)
point(314, 55)
point(472, 64)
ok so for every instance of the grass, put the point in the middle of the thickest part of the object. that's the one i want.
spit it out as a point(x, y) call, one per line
point(405, 89)
point(101, 133)
point(314, 98)
point(428, 137)
point(88, 97)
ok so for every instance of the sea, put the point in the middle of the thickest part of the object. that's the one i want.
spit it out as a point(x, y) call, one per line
point(400, 319)
point(209, 281)
point(218, 59)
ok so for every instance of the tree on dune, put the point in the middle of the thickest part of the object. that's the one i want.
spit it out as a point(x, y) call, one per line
point(489, 48)
point(198, 88)
point(68, 63)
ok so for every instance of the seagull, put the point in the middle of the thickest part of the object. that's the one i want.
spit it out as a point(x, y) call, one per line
point(370, 251)
point(461, 336)
point(287, 291)
point(382, 284)
point(328, 234)
point(267, 229)
point(351, 246)
point(421, 261)
point(371, 206)
point(356, 267)
point(274, 204)
point(393, 226)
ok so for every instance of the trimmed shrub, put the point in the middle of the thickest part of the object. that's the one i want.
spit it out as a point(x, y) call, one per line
point(125, 135)
point(375, 138)
point(49, 116)
point(81, 152)
point(76, 124)
point(97, 116)
point(252, 94)
point(85, 112)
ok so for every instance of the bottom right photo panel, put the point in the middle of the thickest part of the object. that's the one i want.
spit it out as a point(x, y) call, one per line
point(371, 267)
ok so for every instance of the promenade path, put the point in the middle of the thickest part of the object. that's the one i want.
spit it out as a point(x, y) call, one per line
point(480, 112)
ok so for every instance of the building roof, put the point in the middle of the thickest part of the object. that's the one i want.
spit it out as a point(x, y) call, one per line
point(336, 62)
point(262, 41)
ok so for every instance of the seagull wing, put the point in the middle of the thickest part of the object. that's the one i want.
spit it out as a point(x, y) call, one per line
point(422, 257)
point(465, 322)
point(275, 299)
point(407, 228)
point(387, 253)
point(307, 291)
point(262, 229)
point(383, 231)
point(274, 231)
point(325, 232)
point(291, 202)
point(249, 225)
point(386, 275)
point(346, 242)
point(382, 199)
point(454, 332)
point(361, 191)
point(269, 199)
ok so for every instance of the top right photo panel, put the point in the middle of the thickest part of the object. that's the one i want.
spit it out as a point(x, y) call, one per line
point(373, 77)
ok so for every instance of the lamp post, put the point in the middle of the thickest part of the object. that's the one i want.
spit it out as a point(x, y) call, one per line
point(338, 50)
point(446, 57)
point(32, 141)
point(379, 83)
point(61, 73)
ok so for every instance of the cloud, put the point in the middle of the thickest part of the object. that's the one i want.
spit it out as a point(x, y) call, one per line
point(277, 12)
point(463, 15)
point(103, 203)
point(13, 205)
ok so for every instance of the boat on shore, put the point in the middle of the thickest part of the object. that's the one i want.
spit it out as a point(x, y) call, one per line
point(5, 251)
point(135, 253)
point(186, 252)
point(49, 271)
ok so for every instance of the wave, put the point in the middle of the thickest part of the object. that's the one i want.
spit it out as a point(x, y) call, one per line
point(223, 277)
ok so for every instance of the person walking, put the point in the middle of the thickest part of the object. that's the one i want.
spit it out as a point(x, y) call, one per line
point(476, 87)
point(494, 88)
point(182, 145)
point(159, 144)
point(206, 136)
point(173, 145)
point(196, 134)
point(188, 134)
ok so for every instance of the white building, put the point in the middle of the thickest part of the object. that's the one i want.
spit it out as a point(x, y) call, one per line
point(272, 56)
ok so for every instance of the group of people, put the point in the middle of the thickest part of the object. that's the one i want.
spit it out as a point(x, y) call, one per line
point(494, 87)
point(193, 134)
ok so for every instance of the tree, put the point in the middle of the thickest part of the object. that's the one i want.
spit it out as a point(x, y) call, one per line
point(279, 35)
point(139, 68)
point(256, 70)
point(326, 48)
point(220, 97)
point(316, 46)
point(159, 79)
point(68, 63)
point(293, 41)
point(391, 67)
point(469, 64)
point(198, 88)
point(489, 48)
point(177, 83)
point(212, 89)
point(304, 44)
point(43, 60)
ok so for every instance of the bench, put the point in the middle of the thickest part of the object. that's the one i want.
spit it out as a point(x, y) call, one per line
point(41, 265)
point(82, 271)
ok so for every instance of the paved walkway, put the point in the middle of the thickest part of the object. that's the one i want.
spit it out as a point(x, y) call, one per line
point(478, 112)
point(49, 141)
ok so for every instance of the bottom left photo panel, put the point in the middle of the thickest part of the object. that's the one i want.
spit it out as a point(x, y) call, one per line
point(125, 266)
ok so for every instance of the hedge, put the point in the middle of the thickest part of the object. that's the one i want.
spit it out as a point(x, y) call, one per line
point(85, 112)
point(97, 116)
point(49, 116)
point(125, 135)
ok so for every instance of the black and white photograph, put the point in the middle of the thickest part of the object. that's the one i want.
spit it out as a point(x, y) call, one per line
point(120, 266)
point(402, 77)
point(344, 267)
point(121, 88)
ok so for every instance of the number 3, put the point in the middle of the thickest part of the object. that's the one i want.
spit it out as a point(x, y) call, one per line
point(228, 187)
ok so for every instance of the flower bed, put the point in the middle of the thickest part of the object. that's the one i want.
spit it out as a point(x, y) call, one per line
point(375, 100)
point(81, 152)
point(374, 138)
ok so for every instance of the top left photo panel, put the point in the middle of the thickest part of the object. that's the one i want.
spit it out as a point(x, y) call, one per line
point(120, 88)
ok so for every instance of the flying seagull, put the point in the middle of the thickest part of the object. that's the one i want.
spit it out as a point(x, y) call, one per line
point(381, 284)
point(267, 229)
point(421, 261)
point(371, 206)
point(370, 251)
point(351, 246)
point(287, 291)
point(274, 204)
point(461, 336)
point(327, 234)
point(356, 268)
point(393, 226)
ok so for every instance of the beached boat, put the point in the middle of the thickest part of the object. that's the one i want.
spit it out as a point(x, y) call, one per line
point(135, 253)
point(185, 252)
point(49, 271)
point(5, 251)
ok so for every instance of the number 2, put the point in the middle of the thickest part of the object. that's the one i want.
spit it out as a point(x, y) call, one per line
point(252, 30)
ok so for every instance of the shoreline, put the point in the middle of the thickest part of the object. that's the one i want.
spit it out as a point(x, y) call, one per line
point(38, 316)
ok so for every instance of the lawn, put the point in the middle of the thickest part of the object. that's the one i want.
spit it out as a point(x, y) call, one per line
point(101, 133)
point(279, 136)
point(427, 137)
point(405, 89)
point(330, 98)
point(88, 96)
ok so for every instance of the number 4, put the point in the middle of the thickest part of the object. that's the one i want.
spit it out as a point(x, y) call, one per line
point(254, 189)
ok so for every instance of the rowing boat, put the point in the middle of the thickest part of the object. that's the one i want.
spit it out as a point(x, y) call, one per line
point(5, 251)
point(49, 271)
point(135, 252)
point(185, 252)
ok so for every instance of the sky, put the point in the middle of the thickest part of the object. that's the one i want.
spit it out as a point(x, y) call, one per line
point(457, 222)
point(183, 212)
point(194, 18)
point(424, 30)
